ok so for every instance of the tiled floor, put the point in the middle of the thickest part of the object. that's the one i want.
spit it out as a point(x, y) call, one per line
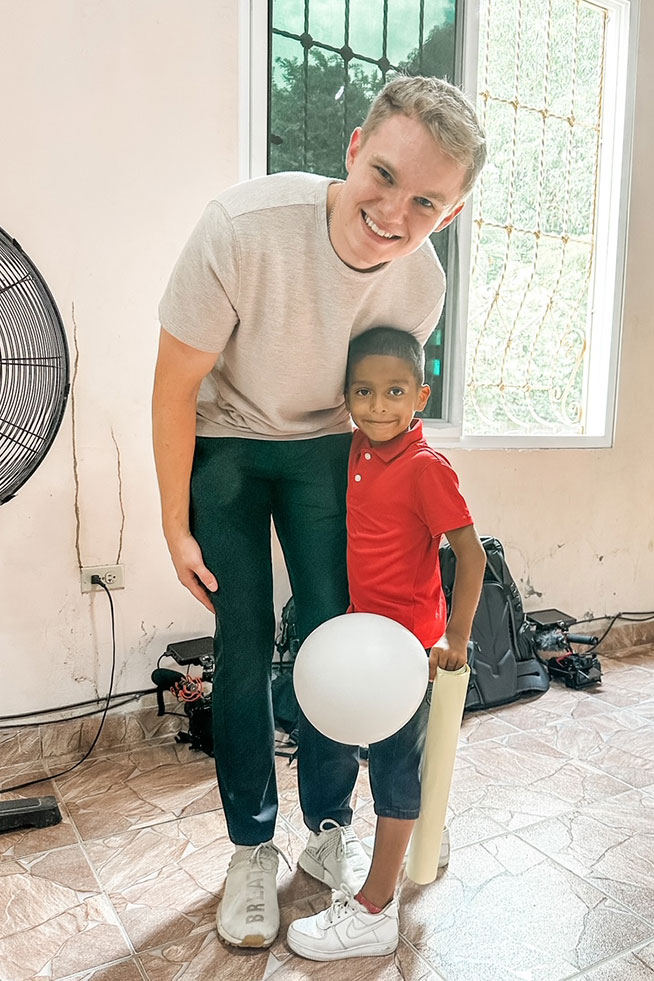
point(551, 877)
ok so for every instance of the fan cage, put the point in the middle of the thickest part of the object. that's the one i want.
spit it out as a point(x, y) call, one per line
point(34, 368)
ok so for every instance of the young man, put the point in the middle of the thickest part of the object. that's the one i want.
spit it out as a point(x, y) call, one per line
point(402, 497)
point(250, 424)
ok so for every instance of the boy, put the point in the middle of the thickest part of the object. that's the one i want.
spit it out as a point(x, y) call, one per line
point(402, 496)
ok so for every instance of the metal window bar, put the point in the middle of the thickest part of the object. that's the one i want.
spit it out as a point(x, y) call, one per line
point(549, 395)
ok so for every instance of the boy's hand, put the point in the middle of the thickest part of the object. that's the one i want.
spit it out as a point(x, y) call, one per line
point(450, 653)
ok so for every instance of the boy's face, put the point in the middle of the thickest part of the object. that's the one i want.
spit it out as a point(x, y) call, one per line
point(401, 187)
point(383, 395)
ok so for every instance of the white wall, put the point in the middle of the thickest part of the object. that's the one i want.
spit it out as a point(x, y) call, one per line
point(119, 122)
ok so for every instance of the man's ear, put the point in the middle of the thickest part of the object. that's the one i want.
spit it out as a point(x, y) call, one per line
point(449, 218)
point(353, 148)
point(423, 397)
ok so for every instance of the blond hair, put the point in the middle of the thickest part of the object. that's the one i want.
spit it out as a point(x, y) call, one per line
point(443, 109)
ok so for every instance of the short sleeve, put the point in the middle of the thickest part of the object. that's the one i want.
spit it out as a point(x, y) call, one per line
point(425, 329)
point(199, 306)
point(439, 500)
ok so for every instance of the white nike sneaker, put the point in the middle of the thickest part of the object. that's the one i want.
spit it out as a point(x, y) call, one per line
point(345, 929)
point(368, 844)
point(335, 856)
point(248, 914)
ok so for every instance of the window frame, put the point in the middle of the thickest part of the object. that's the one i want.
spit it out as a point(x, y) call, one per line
point(612, 223)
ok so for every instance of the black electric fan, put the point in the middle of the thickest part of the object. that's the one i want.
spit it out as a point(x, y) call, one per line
point(34, 368)
point(34, 385)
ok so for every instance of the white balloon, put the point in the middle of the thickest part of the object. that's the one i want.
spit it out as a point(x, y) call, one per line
point(360, 677)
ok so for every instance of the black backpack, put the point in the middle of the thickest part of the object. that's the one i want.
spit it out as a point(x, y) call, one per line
point(505, 665)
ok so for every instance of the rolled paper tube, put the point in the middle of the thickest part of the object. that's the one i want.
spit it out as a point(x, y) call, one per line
point(448, 699)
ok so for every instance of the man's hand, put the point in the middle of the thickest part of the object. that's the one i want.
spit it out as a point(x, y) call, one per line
point(450, 653)
point(179, 373)
point(191, 570)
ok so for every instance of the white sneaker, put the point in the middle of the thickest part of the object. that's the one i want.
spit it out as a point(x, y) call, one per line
point(345, 929)
point(368, 845)
point(335, 856)
point(248, 915)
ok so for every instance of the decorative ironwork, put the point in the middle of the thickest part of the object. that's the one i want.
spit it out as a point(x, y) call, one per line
point(535, 210)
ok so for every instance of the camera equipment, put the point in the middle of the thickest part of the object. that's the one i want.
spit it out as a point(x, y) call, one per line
point(550, 632)
point(190, 689)
point(286, 710)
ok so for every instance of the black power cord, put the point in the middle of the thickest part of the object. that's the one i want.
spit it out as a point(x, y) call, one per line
point(127, 696)
point(30, 783)
point(630, 617)
point(74, 718)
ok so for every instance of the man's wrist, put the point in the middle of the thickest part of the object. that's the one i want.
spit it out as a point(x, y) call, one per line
point(175, 529)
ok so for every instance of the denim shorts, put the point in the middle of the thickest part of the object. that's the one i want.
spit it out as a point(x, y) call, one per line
point(394, 766)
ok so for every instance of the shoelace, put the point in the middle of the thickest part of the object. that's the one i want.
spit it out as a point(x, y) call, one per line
point(260, 856)
point(345, 843)
point(342, 904)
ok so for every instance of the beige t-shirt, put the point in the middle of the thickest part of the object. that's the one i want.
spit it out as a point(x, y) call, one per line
point(259, 282)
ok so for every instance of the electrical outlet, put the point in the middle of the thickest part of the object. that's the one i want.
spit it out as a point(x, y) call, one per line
point(113, 576)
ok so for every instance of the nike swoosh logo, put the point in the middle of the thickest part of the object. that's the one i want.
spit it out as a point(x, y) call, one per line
point(353, 931)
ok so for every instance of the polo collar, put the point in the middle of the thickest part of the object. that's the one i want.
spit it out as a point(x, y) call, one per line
point(395, 447)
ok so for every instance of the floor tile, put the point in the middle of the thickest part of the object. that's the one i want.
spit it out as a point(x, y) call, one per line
point(620, 743)
point(638, 966)
point(121, 731)
point(631, 672)
point(518, 780)
point(165, 880)
point(204, 956)
point(127, 970)
point(609, 844)
point(505, 911)
point(20, 745)
point(645, 710)
point(478, 726)
point(136, 789)
point(534, 712)
point(53, 919)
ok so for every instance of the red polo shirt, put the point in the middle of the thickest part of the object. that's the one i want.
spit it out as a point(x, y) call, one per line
point(402, 495)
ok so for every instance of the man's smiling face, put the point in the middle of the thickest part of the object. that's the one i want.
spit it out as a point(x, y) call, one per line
point(401, 187)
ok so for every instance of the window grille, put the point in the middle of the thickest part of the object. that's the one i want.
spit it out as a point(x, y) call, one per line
point(541, 73)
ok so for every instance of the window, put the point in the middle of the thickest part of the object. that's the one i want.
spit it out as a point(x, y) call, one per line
point(546, 249)
point(526, 351)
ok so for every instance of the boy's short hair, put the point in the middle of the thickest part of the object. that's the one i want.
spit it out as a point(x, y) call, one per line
point(446, 112)
point(390, 342)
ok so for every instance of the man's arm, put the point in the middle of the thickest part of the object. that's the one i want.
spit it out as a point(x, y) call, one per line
point(451, 650)
point(178, 374)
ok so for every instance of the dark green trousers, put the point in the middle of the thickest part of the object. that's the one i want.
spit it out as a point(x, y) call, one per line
point(237, 487)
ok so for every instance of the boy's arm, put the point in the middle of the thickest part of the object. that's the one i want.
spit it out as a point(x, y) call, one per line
point(450, 652)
